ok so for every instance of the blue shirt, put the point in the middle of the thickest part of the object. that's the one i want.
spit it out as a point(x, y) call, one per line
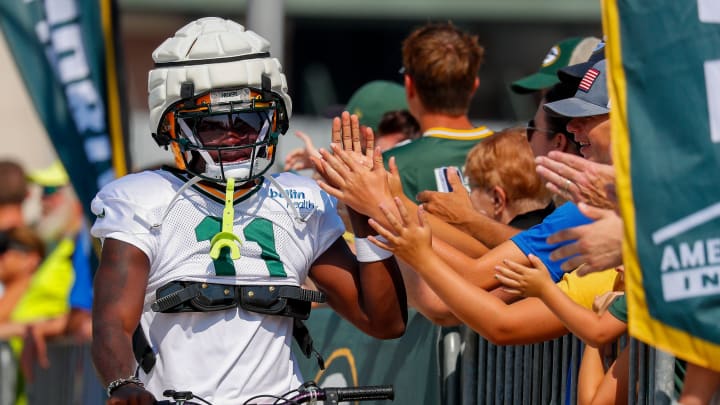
point(81, 293)
point(534, 240)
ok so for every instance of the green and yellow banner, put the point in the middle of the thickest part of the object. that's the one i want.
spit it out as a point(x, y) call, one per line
point(66, 52)
point(664, 58)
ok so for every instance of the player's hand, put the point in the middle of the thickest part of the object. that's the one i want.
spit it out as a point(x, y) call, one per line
point(345, 135)
point(351, 181)
point(131, 394)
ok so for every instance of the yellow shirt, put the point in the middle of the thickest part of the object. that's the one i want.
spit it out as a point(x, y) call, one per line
point(584, 289)
point(49, 291)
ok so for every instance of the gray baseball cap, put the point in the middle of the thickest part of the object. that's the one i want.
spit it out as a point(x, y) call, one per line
point(590, 99)
point(574, 73)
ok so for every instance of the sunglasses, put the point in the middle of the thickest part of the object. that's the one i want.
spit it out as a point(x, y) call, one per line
point(530, 130)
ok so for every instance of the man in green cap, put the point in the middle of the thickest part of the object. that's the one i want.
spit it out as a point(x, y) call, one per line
point(567, 52)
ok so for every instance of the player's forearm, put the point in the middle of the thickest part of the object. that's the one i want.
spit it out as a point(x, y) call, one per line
point(359, 223)
point(112, 350)
point(119, 285)
point(383, 298)
point(382, 289)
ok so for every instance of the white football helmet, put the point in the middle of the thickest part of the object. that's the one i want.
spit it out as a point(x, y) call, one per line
point(216, 94)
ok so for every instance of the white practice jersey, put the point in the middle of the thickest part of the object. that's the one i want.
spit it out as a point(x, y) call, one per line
point(223, 356)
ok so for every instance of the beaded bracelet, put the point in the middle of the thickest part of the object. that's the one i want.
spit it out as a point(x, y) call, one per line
point(120, 382)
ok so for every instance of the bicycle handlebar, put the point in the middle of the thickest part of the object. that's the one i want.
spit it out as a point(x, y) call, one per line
point(339, 394)
point(308, 392)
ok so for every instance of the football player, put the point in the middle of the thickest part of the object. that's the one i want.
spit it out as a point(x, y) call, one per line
point(198, 286)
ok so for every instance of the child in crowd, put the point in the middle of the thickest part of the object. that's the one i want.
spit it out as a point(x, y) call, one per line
point(596, 328)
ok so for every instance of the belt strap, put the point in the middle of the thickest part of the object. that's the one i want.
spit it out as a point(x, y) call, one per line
point(194, 289)
point(298, 293)
point(176, 298)
point(144, 354)
point(303, 339)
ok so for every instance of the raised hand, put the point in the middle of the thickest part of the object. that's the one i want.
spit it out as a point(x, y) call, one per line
point(352, 182)
point(596, 246)
point(345, 134)
point(454, 207)
point(407, 236)
point(523, 280)
point(578, 179)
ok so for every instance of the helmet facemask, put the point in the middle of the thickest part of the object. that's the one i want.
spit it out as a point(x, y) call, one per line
point(229, 133)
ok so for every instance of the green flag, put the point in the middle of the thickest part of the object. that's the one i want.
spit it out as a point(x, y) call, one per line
point(665, 80)
point(65, 52)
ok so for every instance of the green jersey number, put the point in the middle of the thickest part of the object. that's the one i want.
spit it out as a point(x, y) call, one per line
point(259, 230)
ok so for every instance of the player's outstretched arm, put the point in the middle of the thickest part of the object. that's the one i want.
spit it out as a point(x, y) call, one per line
point(367, 291)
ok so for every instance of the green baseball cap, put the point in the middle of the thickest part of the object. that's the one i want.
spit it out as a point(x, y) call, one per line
point(566, 52)
point(374, 99)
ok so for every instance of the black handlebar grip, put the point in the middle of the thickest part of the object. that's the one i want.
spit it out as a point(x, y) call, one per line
point(366, 393)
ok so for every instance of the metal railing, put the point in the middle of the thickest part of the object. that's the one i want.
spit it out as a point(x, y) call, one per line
point(545, 373)
point(475, 371)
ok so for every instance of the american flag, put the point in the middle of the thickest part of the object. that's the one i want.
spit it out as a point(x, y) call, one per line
point(588, 80)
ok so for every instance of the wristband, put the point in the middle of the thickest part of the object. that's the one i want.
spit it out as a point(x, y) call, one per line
point(367, 252)
point(120, 382)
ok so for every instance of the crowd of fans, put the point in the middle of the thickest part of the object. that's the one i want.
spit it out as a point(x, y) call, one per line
point(537, 266)
point(45, 266)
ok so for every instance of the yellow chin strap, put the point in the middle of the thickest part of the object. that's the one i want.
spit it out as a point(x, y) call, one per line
point(226, 238)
